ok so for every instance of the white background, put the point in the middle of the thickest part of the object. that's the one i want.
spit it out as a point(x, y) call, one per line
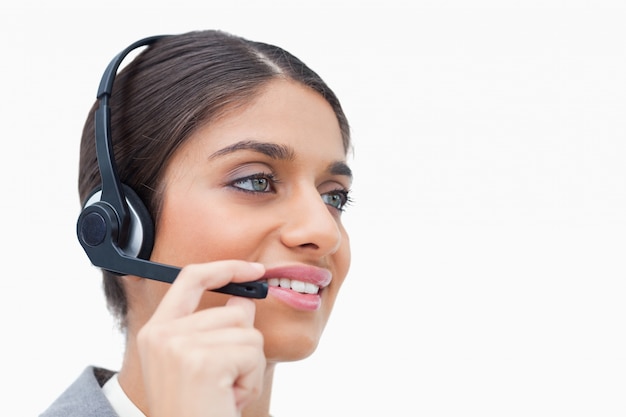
point(489, 224)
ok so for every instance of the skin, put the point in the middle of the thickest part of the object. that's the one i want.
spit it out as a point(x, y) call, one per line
point(192, 352)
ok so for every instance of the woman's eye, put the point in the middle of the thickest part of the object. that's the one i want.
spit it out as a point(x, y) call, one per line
point(337, 199)
point(259, 183)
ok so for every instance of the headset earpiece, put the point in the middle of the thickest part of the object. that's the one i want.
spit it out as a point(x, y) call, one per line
point(138, 238)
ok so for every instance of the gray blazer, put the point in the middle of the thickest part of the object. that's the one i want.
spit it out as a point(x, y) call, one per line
point(84, 398)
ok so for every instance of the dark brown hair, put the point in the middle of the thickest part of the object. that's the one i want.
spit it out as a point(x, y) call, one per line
point(171, 88)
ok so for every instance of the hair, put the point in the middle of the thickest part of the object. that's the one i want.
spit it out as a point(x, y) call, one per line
point(161, 97)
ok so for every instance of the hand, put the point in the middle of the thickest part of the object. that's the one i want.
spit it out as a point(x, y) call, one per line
point(208, 362)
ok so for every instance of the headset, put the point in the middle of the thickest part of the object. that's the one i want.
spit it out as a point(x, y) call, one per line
point(114, 227)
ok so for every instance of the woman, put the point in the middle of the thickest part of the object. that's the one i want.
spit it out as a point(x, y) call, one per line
point(238, 151)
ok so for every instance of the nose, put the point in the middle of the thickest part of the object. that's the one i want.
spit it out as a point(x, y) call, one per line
point(310, 224)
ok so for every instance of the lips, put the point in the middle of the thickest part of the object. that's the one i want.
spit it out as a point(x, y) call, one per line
point(298, 285)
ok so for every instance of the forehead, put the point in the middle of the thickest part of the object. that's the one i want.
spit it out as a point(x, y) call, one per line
point(285, 112)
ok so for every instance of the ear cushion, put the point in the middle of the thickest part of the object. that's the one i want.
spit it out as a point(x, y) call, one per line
point(141, 228)
point(141, 232)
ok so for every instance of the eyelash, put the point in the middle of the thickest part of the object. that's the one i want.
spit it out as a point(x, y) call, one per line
point(346, 200)
point(272, 181)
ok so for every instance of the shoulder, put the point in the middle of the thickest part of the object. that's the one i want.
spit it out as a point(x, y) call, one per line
point(84, 397)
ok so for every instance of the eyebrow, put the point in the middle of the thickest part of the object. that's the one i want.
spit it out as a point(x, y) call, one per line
point(276, 151)
point(272, 150)
point(340, 168)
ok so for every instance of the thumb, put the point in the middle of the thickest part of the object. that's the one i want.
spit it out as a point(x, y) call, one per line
point(245, 304)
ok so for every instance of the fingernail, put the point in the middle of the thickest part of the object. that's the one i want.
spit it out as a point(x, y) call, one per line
point(260, 267)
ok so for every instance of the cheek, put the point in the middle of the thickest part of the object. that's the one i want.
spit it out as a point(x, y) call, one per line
point(190, 231)
point(341, 260)
point(343, 256)
point(341, 266)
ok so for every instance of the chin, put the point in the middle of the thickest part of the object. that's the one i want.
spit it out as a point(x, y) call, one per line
point(289, 335)
point(289, 348)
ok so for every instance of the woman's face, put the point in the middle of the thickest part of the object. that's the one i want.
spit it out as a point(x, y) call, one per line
point(265, 183)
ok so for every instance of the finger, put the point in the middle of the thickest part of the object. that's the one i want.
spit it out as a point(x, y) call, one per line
point(238, 313)
point(189, 349)
point(206, 373)
point(248, 307)
point(183, 296)
point(249, 385)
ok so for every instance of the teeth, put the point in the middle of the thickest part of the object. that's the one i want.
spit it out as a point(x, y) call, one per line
point(273, 282)
point(297, 286)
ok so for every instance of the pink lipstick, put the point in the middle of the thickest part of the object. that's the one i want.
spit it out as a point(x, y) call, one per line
point(298, 286)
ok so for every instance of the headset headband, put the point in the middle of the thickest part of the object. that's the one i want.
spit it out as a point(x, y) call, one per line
point(103, 226)
point(111, 185)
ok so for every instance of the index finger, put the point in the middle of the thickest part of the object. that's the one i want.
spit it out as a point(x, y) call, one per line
point(184, 295)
